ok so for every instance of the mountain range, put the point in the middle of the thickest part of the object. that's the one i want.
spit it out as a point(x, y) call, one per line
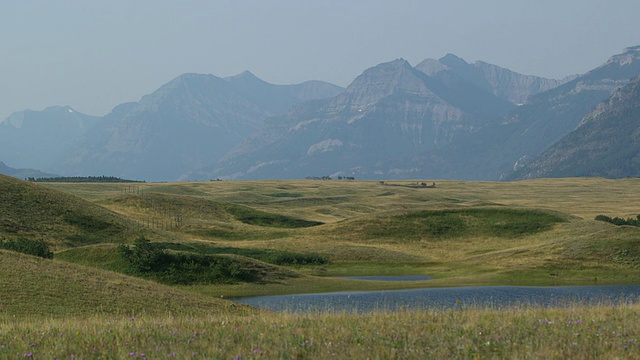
point(22, 173)
point(606, 142)
point(443, 118)
point(187, 123)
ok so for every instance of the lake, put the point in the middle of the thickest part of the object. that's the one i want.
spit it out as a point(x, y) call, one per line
point(388, 278)
point(458, 297)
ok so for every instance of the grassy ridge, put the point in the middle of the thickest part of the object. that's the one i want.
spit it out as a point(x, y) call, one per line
point(108, 257)
point(32, 211)
point(52, 288)
point(204, 217)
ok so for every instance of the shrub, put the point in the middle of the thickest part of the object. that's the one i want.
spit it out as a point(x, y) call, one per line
point(289, 258)
point(619, 221)
point(144, 257)
point(151, 260)
point(276, 257)
point(25, 246)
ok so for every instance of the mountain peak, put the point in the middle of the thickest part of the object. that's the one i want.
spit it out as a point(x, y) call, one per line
point(245, 77)
point(244, 74)
point(453, 61)
point(635, 49)
point(389, 67)
point(382, 80)
point(64, 108)
point(431, 66)
point(628, 56)
point(188, 83)
point(619, 68)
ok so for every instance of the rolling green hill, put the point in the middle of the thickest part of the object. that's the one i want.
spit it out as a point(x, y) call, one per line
point(539, 232)
point(35, 212)
point(37, 287)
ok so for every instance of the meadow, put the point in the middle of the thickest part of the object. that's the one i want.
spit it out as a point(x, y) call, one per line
point(285, 237)
point(518, 333)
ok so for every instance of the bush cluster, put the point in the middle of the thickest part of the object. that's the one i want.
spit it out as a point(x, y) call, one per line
point(271, 256)
point(620, 221)
point(295, 259)
point(151, 260)
point(25, 246)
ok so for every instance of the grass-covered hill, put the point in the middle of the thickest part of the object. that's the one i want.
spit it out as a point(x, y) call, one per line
point(35, 212)
point(32, 286)
point(531, 232)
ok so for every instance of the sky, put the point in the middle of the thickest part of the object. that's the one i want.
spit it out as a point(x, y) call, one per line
point(94, 55)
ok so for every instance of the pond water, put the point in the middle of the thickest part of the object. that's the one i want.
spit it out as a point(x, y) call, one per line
point(459, 297)
point(388, 278)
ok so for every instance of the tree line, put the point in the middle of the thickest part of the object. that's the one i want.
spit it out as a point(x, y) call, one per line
point(102, 179)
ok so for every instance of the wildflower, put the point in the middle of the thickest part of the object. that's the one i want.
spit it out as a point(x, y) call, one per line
point(29, 355)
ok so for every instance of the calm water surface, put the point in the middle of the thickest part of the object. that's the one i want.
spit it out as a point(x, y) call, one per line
point(388, 278)
point(493, 296)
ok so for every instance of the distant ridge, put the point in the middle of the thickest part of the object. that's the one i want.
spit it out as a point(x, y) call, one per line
point(389, 112)
point(37, 139)
point(186, 124)
point(522, 135)
point(605, 144)
point(503, 83)
point(443, 118)
point(22, 173)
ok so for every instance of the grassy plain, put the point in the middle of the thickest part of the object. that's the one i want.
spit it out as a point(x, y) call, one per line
point(539, 232)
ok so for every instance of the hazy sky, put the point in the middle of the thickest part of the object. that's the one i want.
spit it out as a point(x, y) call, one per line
point(93, 55)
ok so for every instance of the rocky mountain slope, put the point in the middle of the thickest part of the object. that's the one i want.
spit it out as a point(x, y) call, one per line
point(606, 142)
point(503, 83)
point(35, 139)
point(389, 111)
point(507, 145)
point(186, 124)
point(442, 119)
